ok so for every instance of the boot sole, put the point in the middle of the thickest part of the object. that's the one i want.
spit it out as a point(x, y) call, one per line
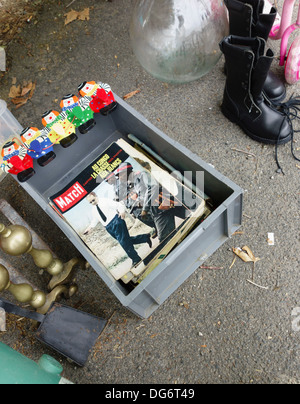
point(233, 119)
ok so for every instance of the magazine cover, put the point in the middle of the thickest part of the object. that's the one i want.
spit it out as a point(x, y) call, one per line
point(122, 212)
point(201, 210)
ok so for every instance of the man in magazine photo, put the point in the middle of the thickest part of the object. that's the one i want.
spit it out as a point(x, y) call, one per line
point(125, 193)
point(111, 215)
point(156, 204)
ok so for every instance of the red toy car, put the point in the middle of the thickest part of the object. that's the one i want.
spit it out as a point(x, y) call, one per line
point(16, 161)
point(100, 96)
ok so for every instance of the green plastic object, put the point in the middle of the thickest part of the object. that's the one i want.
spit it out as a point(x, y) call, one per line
point(17, 369)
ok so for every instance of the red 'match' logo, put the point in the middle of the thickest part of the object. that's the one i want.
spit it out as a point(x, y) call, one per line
point(69, 198)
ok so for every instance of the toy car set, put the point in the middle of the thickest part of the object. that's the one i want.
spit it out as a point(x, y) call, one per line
point(19, 153)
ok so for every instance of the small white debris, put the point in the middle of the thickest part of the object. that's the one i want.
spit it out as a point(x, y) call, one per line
point(271, 239)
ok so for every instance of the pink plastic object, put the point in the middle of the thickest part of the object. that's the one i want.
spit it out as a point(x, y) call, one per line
point(283, 32)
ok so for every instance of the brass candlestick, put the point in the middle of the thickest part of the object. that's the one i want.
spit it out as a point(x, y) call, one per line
point(55, 295)
point(16, 240)
point(24, 293)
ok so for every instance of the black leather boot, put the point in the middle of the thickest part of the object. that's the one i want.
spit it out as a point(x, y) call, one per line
point(244, 101)
point(246, 19)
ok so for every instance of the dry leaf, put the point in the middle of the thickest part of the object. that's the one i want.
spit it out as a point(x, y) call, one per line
point(242, 254)
point(15, 91)
point(71, 16)
point(250, 253)
point(245, 254)
point(26, 89)
point(84, 15)
point(19, 100)
point(32, 91)
point(20, 95)
point(129, 95)
point(77, 15)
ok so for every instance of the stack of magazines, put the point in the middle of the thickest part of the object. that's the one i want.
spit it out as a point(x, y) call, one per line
point(130, 210)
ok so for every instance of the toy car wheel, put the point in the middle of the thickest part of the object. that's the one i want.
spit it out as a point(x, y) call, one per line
point(87, 126)
point(109, 108)
point(26, 175)
point(68, 141)
point(44, 160)
point(292, 66)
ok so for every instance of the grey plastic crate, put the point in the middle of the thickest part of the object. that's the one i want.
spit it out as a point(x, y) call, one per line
point(192, 252)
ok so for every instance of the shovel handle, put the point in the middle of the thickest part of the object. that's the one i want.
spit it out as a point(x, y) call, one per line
point(19, 311)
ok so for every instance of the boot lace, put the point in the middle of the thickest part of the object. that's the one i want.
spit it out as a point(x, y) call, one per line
point(291, 110)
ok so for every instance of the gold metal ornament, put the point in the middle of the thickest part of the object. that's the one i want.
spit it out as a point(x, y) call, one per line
point(23, 293)
point(16, 240)
point(66, 275)
point(55, 295)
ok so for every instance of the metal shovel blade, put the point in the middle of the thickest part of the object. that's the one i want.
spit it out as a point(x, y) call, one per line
point(71, 332)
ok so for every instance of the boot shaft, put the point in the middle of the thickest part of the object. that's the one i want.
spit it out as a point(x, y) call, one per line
point(244, 100)
point(240, 18)
point(260, 73)
point(247, 64)
point(246, 18)
point(247, 69)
